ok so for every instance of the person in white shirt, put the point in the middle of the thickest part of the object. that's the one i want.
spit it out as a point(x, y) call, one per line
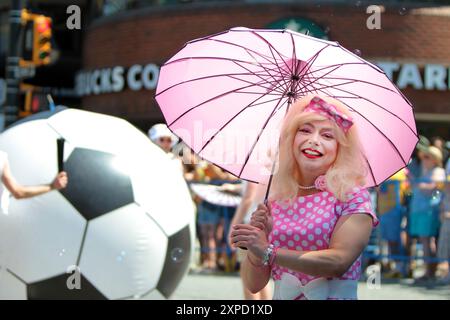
point(166, 140)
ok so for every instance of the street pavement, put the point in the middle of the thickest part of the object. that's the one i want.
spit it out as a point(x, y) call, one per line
point(227, 286)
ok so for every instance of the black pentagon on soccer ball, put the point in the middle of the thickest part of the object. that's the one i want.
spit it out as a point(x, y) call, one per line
point(95, 185)
point(57, 288)
point(176, 262)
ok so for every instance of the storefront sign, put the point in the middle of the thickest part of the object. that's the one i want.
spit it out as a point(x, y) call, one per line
point(427, 77)
point(116, 79)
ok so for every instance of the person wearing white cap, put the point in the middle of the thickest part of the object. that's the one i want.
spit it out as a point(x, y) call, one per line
point(162, 136)
point(166, 140)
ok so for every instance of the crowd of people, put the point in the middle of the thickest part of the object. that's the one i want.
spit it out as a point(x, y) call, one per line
point(413, 208)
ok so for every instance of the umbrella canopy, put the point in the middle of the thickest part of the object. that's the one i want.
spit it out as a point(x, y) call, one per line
point(226, 96)
point(215, 195)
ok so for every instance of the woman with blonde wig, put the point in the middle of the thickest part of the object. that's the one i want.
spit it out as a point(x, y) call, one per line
point(318, 220)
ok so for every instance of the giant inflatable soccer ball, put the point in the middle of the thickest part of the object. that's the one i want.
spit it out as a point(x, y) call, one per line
point(123, 228)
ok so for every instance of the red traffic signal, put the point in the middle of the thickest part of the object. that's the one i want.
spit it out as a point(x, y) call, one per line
point(42, 35)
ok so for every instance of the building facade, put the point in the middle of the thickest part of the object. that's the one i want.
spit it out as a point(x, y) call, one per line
point(122, 52)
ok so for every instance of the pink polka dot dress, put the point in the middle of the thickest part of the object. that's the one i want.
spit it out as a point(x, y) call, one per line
point(308, 223)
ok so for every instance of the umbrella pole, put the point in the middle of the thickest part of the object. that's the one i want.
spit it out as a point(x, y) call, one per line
point(60, 151)
point(268, 189)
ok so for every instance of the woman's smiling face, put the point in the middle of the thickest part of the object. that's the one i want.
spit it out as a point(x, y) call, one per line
point(315, 146)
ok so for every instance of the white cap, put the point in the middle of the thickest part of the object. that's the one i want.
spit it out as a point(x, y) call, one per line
point(161, 130)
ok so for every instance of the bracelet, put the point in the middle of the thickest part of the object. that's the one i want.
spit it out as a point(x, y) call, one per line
point(254, 264)
point(273, 256)
point(268, 254)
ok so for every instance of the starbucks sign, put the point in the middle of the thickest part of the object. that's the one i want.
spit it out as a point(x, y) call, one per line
point(300, 25)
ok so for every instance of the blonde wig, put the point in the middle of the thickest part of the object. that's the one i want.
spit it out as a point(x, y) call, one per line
point(348, 170)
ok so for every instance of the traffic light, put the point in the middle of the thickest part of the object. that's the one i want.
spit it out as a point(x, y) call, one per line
point(26, 100)
point(27, 39)
point(32, 99)
point(42, 35)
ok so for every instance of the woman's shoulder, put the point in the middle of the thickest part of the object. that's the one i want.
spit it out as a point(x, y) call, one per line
point(358, 201)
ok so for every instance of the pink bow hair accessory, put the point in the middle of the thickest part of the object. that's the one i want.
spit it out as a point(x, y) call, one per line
point(328, 110)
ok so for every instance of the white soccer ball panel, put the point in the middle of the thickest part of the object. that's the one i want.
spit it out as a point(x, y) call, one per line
point(162, 192)
point(41, 236)
point(123, 253)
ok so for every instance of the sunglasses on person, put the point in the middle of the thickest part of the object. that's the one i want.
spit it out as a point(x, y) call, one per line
point(165, 139)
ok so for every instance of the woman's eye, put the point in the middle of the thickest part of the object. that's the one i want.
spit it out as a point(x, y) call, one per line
point(328, 136)
point(303, 130)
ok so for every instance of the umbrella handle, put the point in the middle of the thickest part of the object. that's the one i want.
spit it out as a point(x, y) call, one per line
point(60, 150)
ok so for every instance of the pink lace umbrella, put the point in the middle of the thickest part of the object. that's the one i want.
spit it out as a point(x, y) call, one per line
point(226, 95)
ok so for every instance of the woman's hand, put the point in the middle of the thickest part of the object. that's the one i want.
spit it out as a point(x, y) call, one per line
point(250, 237)
point(262, 219)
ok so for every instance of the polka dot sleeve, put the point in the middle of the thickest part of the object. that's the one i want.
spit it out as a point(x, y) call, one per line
point(358, 202)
